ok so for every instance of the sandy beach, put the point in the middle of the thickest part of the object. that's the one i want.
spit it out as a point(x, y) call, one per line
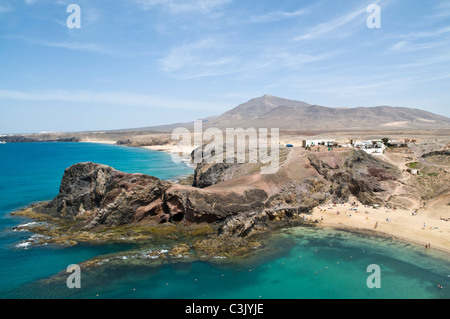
point(182, 153)
point(169, 148)
point(425, 227)
point(99, 141)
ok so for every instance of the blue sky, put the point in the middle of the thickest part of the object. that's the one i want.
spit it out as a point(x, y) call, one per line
point(136, 63)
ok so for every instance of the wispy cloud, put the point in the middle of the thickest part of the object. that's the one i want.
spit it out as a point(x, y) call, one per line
point(109, 98)
point(203, 58)
point(186, 55)
point(426, 61)
point(422, 40)
point(277, 15)
point(365, 87)
point(326, 28)
point(182, 6)
point(408, 46)
point(442, 10)
point(342, 25)
point(78, 46)
point(5, 8)
point(291, 59)
point(212, 57)
point(426, 34)
point(75, 46)
point(322, 49)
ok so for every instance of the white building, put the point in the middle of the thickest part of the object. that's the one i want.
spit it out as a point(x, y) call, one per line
point(371, 147)
point(310, 143)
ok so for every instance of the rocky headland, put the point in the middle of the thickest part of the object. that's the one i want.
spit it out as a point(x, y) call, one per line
point(229, 215)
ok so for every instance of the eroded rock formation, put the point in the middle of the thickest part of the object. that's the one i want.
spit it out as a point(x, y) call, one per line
point(93, 196)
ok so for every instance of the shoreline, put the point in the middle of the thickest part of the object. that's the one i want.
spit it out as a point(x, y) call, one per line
point(398, 224)
point(166, 148)
point(402, 226)
point(100, 142)
point(170, 149)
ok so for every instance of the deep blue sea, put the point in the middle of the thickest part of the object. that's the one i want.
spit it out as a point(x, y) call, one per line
point(302, 263)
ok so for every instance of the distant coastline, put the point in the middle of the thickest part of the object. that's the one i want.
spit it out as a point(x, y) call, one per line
point(99, 142)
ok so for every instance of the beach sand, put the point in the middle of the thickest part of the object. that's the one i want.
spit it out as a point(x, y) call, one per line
point(423, 228)
point(99, 141)
point(182, 153)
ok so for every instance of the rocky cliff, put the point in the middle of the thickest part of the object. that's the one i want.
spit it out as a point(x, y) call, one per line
point(37, 138)
point(307, 178)
point(94, 196)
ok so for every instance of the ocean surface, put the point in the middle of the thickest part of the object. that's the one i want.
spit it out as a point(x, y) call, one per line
point(297, 263)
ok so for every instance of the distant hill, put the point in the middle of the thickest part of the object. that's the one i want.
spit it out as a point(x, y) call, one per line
point(257, 110)
point(270, 111)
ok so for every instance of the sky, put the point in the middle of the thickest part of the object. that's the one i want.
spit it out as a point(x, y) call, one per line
point(138, 63)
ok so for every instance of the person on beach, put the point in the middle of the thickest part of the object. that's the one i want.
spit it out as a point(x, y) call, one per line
point(376, 225)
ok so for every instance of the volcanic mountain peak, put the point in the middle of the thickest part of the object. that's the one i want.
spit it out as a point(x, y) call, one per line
point(272, 111)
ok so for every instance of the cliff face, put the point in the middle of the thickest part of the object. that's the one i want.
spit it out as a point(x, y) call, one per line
point(100, 195)
point(38, 139)
point(97, 195)
point(93, 196)
point(359, 175)
point(305, 179)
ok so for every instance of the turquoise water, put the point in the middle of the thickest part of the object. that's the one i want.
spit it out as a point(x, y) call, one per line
point(32, 172)
point(297, 263)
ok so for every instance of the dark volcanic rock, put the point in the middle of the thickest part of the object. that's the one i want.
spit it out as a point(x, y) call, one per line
point(360, 175)
point(94, 196)
point(200, 206)
point(98, 195)
point(36, 139)
point(206, 175)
